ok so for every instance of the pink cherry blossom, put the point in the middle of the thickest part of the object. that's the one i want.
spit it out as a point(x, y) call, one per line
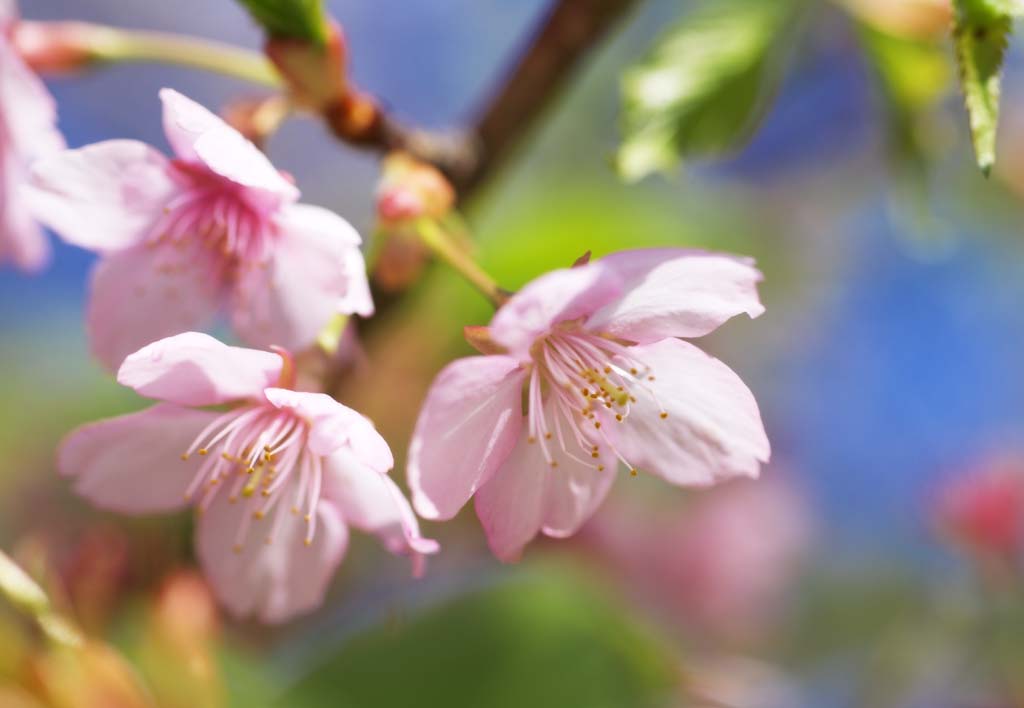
point(28, 130)
point(216, 225)
point(277, 478)
point(592, 352)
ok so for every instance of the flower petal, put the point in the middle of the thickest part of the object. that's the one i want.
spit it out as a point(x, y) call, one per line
point(27, 110)
point(194, 369)
point(558, 296)
point(510, 504)
point(21, 240)
point(142, 294)
point(316, 271)
point(132, 463)
point(196, 134)
point(575, 490)
point(274, 577)
point(102, 197)
point(466, 429)
point(372, 502)
point(675, 292)
point(333, 426)
point(713, 428)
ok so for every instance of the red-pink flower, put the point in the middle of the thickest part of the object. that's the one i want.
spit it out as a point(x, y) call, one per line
point(218, 224)
point(28, 130)
point(983, 509)
point(606, 380)
point(277, 478)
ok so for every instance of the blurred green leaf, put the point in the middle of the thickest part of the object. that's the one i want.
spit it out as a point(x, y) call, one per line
point(540, 640)
point(290, 19)
point(980, 35)
point(706, 85)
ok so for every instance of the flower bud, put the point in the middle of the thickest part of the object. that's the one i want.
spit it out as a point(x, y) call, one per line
point(410, 189)
point(315, 74)
point(55, 47)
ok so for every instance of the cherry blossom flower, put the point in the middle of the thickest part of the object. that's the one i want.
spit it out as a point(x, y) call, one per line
point(592, 353)
point(218, 224)
point(277, 478)
point(28, 130)
point(982, 510)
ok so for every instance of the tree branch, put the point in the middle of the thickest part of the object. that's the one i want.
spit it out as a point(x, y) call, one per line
point(557, 46)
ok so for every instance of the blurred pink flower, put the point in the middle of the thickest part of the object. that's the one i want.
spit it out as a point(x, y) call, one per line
point(28, 130)
point(721, 565)
point(606, 380)
point(984, 508)
point(217, 224)
point(308, 464)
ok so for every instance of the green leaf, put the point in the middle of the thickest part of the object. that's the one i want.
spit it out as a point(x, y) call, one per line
point(303, 20)
point(980, 36)
point(706, 85)
point(545, 639)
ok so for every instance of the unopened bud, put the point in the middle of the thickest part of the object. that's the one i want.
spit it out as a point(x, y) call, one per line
point(55, 47)
point(410, 189)
point(315, 74)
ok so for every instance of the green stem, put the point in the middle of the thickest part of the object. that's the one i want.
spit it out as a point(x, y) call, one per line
point(124, 45)
point(26, 596)
point(440, 243)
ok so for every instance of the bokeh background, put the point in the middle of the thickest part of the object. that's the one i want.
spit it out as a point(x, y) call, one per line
point(888, 369)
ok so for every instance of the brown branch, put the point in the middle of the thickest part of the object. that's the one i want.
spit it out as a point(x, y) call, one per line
point(563, 38)
point(557, 46)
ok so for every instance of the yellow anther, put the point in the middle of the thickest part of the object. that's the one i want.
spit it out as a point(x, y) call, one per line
point(203, 451)
point(226, 456)
point(531, 439)
point(295, 510)
point(308, 542)
point(634, 372)
point(600, 468)
point(618, 417)
point(547, 436)
point(258, 514)
point(664, 415)
point(184, 455)
point(237, 548)
point(595, 454)
point(633, 472)
point(554, 463)
point(597, 425)
point(308, 518)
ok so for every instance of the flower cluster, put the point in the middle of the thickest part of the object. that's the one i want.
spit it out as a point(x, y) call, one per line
point(584, 371)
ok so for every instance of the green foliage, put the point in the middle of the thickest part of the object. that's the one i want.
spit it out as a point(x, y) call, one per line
point(980, 36)
point(540, 640)
point(290, 19)
point(706, 85)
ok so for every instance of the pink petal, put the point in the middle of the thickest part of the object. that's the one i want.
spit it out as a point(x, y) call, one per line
point(372, 502)
point(274, 580)
point(315, 272)
point(713, 430)
point(27, 110)
point(333, 425)
point(102, 197)
point(466, 428)
point(530, 494)
point(675, 292)
point(142, 294)
point(21, 240)
point(196, 134)
point(558, 296)
point(510, 504)
point(194, 369)
point(575, 490)
point(132, 463)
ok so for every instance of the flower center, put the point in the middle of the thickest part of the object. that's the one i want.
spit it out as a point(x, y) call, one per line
point(217, 215)
point(254, 451)
point(587, 380)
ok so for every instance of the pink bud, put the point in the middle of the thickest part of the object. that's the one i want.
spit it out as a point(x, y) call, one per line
point(55, 46)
